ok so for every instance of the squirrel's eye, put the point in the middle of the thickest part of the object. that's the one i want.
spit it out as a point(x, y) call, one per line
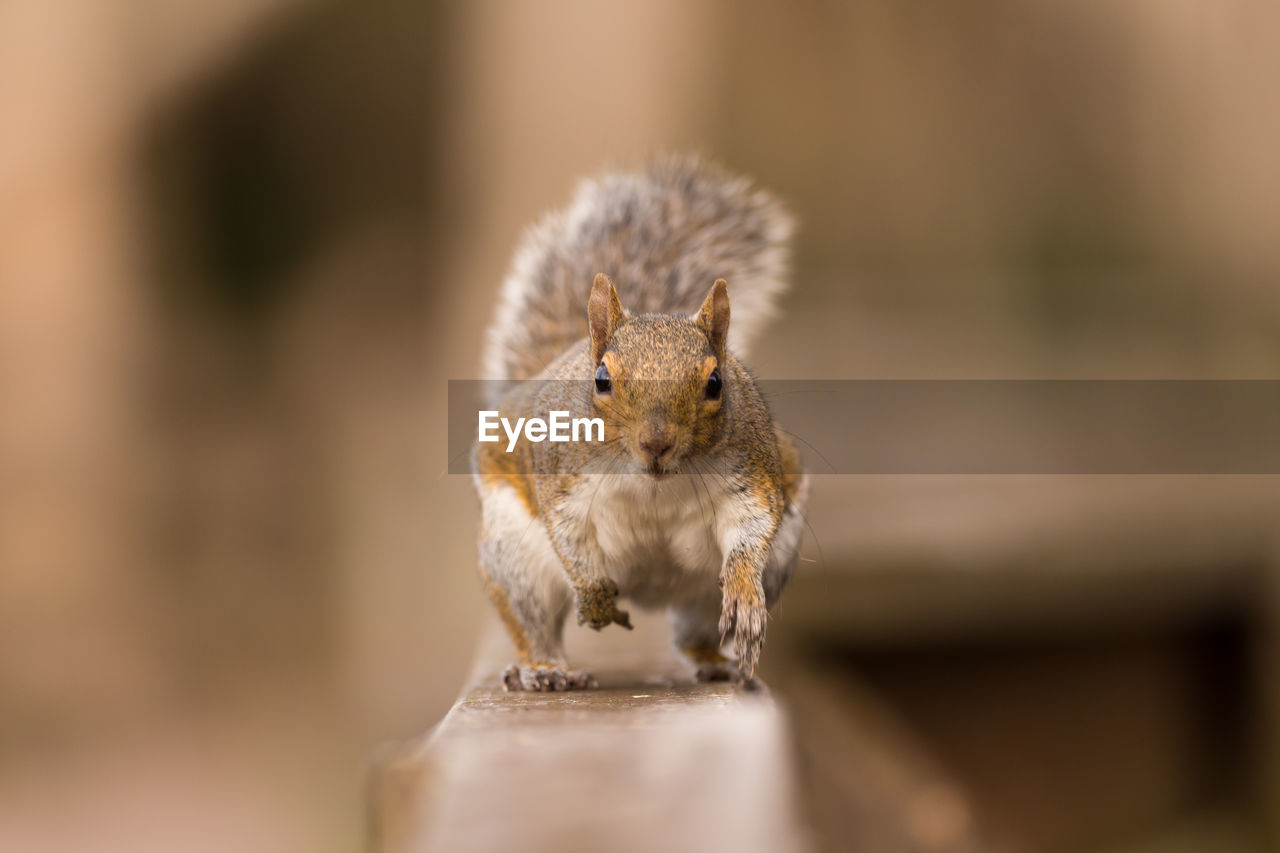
point(713, 385)
point(603, 385)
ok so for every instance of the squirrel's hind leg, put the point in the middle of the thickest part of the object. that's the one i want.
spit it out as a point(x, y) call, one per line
point(534, 620)
point(785, 548)
point(536, 629)
point(696, 633)
point(545, 677)
point(524, 580)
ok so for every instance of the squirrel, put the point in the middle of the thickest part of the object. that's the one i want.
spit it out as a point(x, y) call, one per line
point(694, 499)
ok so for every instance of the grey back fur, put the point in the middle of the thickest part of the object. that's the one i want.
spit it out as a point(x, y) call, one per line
point(664, 235)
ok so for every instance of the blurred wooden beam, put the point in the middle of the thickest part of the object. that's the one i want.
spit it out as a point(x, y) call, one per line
point(869, 783)
point(649, 761)
point(921, 558)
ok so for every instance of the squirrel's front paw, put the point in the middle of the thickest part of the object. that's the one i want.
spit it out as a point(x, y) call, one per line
point(598, 605)
point(743, 612)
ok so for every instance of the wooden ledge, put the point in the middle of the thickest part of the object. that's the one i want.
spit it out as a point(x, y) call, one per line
point(650, 760)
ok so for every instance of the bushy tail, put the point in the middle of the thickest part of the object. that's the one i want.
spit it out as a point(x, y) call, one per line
point(664, 236)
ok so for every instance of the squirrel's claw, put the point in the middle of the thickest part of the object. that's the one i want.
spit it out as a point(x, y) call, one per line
point(744, 613)
point(748, 638)
point(598, 606)
point(545, 678)
point(618, 617)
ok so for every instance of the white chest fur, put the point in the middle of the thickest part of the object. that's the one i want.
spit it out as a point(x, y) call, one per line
point(661, 539)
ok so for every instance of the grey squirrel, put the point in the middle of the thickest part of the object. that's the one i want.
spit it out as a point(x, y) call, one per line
point(694, 499)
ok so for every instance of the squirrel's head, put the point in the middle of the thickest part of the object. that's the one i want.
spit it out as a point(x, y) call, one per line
point(659, 379)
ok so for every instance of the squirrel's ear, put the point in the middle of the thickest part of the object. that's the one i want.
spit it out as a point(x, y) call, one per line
point(713, 317)
point(604, 314)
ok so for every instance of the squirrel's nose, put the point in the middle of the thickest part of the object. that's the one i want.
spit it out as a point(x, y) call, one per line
point(656, 441)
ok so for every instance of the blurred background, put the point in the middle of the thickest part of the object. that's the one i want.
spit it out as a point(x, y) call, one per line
point(246, 244)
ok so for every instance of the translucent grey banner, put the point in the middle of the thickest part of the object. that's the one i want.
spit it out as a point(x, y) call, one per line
point(988, 426)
